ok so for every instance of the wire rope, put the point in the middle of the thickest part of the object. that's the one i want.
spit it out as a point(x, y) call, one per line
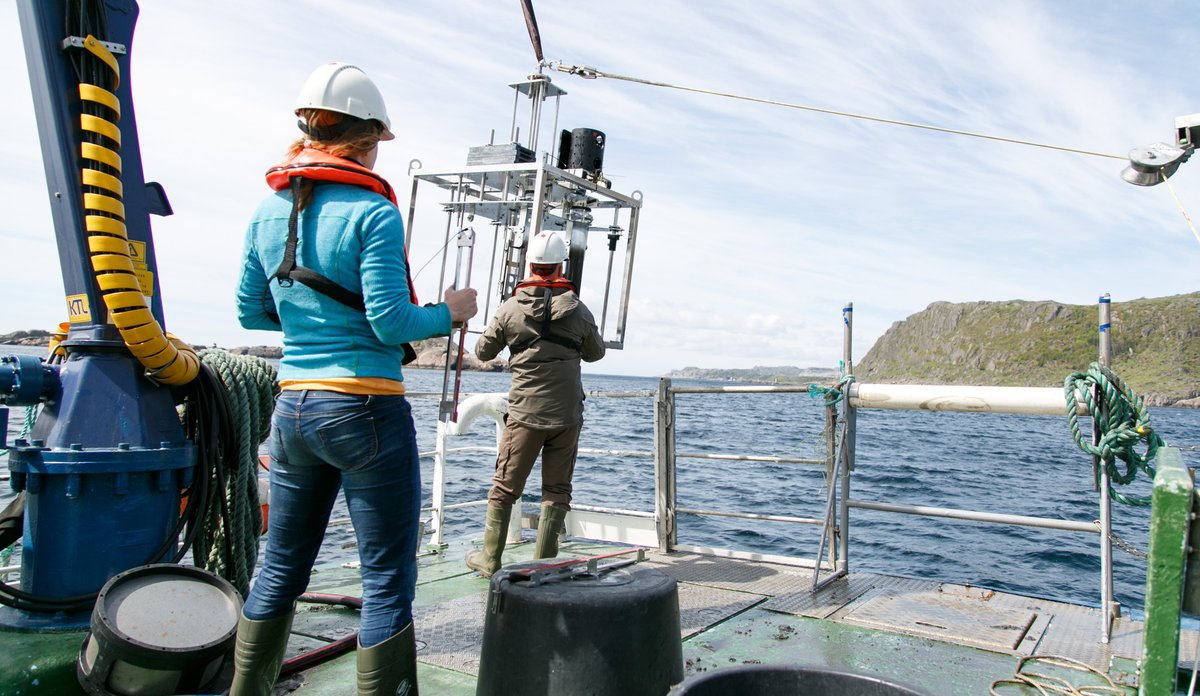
point(1178, 203)
point(592, 73)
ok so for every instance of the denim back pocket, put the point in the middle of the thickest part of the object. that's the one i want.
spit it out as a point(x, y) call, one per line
point(349, 441)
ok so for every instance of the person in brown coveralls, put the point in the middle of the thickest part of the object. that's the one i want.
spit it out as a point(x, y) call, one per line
point(547, 330)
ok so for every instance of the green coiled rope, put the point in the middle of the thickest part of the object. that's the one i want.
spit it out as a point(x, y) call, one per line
point(832, 395)
point(1123, 425)
point(231, 522)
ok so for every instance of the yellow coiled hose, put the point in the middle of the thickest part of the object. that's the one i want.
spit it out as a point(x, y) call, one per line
point(166, 358)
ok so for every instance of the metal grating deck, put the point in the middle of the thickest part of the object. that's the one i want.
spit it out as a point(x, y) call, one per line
point(946, 617)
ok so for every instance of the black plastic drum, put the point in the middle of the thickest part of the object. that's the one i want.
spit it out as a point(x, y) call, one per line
point(586, 151)
point(616, 634)
point(762, 680)
point(157, 630)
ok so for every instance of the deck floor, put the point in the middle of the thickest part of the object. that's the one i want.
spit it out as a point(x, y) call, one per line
point(938, 637)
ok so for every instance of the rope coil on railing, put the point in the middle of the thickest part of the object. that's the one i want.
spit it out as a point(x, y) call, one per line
point(1122, 421)
point(833, 395)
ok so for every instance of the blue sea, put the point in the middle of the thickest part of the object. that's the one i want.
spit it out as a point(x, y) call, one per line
point(1022, 465)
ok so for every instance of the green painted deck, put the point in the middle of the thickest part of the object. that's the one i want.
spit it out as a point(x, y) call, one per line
point(945, 639)
point(942, 638)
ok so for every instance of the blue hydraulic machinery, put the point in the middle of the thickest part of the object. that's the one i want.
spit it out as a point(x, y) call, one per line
point(103, 465)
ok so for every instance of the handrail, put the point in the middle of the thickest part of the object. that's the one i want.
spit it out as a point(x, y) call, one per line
point(748, 458)
point(979, 516)
point(487, 407)
point(1037, 401)
point(839, 459)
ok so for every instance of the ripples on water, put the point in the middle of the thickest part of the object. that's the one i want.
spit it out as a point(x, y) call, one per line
point(1023, 465)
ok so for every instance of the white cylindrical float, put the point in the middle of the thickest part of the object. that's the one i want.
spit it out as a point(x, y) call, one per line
point(1039, 401)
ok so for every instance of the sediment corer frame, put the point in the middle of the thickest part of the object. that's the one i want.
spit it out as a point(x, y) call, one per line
point(519, 199)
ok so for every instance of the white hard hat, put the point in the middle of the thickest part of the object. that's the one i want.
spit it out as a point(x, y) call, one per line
point(345, 89)
point(546, 248)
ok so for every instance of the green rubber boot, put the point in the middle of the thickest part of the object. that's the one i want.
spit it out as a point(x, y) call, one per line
point(389, 668)
point(495, 528)
point(550, 524)
point(258, 654)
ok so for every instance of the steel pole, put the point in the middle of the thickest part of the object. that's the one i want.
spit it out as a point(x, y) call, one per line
point(848, 445)
point(664, 465)
point(1109, 608)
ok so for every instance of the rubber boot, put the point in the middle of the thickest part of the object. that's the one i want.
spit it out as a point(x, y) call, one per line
point(258, 654)
point(550, 524)
point(495, 528)
point(389, 668)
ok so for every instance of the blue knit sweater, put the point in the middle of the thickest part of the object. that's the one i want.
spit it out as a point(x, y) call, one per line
point(355, 238)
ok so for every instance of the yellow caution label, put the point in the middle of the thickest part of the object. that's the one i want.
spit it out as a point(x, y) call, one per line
point(78, 311)
point(145, 281)
point(137, 254)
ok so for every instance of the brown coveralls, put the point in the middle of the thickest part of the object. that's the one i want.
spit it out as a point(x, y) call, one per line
point(545, 402)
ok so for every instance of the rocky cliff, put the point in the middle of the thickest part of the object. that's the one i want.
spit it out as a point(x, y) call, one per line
point(1019, 343)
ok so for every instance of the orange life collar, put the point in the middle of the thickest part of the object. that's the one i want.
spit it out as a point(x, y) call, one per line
point(322, 166)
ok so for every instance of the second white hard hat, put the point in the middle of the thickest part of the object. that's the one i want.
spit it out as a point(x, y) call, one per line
point(546, 248)
point(346, 89)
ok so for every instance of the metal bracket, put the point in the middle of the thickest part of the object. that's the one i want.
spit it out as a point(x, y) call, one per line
point(78, 41)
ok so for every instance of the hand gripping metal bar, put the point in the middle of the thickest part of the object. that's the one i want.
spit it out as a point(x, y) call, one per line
point(448, 407)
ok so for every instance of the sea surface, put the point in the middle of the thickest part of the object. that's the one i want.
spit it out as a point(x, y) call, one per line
point(1023, 465)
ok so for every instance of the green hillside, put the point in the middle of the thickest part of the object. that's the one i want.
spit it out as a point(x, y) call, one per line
point(1156, 345)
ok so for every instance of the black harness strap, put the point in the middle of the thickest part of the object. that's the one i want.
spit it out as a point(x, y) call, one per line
point(544, 333)
point(289, 271)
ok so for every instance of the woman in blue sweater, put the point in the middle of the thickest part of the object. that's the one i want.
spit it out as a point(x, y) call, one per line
point(341, 419)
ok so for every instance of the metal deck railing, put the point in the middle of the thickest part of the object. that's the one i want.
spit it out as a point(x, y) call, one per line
point(840, 440)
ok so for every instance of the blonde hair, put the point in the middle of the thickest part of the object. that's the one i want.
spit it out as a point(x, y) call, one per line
point(350, 144)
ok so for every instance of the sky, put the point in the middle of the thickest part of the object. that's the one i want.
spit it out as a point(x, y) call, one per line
point(758, 223)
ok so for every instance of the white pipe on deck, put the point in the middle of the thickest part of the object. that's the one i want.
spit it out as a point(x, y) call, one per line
point(492, 405)
point(1038, 401)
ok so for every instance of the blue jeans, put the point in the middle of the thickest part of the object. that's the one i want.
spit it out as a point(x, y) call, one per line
point(367, 445)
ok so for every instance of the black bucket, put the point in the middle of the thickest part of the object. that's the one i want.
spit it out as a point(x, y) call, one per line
point(764, 680)
point(612, 634)
point(158, 630)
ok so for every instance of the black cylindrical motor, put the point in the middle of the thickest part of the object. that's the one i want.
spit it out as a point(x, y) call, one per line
point(764, 680)
point(582, 148)
point(611, 634)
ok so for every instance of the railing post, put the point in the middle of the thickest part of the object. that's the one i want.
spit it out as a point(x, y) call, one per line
point(851, 436)
point(664, 465)
point(1170, 512)
point(831, 479)
point(1109, 608)
point(439, 487)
